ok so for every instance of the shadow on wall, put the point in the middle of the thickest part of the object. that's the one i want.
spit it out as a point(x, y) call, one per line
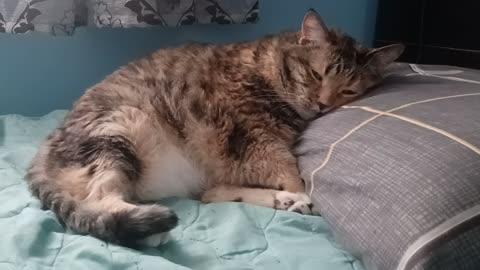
point(40, 73)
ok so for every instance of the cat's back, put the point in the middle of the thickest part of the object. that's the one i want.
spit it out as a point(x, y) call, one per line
point(189, 64)
point(162, 65)
point(177, 77)
point(145, 79)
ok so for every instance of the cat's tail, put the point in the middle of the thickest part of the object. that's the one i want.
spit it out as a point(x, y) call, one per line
point(111, 219)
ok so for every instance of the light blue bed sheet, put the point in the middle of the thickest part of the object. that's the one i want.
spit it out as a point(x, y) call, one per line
point(215, 236)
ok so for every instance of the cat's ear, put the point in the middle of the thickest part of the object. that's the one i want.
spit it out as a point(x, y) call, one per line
point(382, 57)
point(313, 29)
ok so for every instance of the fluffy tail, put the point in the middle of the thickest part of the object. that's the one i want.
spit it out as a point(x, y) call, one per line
point(123, 224)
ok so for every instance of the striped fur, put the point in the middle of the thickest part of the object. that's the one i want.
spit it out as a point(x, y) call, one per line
point(196, 118)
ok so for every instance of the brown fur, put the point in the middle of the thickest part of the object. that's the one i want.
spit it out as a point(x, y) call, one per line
point(184, 120)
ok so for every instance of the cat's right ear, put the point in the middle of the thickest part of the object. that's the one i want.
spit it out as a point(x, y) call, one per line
point(380, 58)
point(313, 29)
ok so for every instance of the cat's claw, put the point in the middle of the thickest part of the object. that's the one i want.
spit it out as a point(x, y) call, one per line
point(293, 202)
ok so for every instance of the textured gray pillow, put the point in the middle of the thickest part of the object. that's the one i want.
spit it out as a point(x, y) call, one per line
point(397, 174)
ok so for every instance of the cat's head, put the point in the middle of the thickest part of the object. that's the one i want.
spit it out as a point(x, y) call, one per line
point(327, 69)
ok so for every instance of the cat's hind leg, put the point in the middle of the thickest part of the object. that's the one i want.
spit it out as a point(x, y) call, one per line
point(100, 205)
point(88, 181)
point(277, 199)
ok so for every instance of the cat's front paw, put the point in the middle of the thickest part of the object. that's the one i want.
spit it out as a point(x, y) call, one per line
point(293, 202)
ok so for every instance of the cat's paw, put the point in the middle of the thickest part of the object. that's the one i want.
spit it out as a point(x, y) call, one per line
point(302, 207)
point(284, 200)
point(293, 202)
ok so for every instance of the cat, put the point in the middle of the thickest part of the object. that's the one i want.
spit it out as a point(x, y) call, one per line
point(212, 122)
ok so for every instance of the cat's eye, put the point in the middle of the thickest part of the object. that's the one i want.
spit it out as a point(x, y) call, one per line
point(316, 75)
point(348, 93)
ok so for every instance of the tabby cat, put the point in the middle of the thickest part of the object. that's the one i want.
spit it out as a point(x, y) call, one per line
point(214, 122)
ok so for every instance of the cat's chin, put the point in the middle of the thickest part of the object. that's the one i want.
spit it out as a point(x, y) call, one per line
point(308, 113)
point(327, 110)
point(321, 113)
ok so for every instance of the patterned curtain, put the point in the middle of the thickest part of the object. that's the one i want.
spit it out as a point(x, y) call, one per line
point(63, 16)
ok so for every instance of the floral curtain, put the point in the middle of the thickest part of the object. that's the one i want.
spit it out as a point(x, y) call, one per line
point(63, 16)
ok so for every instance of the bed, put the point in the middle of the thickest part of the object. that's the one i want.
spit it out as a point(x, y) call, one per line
point(215, 236)
point(361, 175)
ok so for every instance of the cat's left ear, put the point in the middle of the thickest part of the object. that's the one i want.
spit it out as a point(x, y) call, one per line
point(382, 57)
point(313, 29)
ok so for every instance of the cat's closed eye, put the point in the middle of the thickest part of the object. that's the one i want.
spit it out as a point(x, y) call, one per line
point(348, 93)
point(316, 75)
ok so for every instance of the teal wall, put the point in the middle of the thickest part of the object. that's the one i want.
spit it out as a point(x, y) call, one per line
point(40, 73)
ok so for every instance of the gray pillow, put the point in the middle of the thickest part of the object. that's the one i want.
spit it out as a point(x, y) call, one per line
point(397, 174)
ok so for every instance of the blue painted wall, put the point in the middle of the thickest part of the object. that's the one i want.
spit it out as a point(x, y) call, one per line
point(40, 73)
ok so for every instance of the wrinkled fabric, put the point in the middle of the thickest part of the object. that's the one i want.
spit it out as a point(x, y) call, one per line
point(212, 237)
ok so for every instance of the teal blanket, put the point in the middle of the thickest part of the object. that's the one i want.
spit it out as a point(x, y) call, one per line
point(216, 236)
